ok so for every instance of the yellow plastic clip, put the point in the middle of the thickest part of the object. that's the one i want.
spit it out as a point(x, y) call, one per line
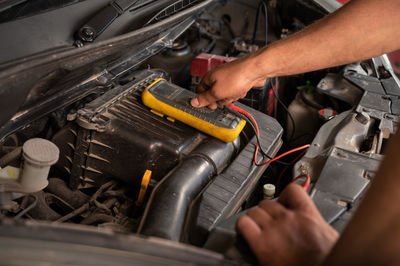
point(157, 113)
point(143, 186)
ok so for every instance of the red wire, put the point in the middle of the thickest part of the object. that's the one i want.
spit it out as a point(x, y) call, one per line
point(287, 166)
point(282, 155)
point(240, 110)
point(306, 183)
point(304, 147)
point(271, 102)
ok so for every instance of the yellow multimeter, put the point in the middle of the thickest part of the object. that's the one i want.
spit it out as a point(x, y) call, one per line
point(174, 101)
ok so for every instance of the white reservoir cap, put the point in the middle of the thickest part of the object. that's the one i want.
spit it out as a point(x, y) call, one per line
point(39, 155)
point(40, 152)
point(269, 190)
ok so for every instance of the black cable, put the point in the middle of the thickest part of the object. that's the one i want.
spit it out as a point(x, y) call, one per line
point(250, 122)
point(30, 207)
point(266, 21)
point(256, 23)
point(308, 102)
point(10, 156)
point(284, 107)
point(259, 8)
point(228, 26)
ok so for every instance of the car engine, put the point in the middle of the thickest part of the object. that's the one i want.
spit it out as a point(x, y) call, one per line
point(84, 162)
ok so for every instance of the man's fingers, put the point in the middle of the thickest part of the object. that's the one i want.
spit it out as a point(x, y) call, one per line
point(203, 99)
point(294, 197)
point(259, 216)
point(194, 102)
point(205, 83)
point(213, 106)
point(249, 230)
point(226, 101)
point(248, 227)
point(274, 209)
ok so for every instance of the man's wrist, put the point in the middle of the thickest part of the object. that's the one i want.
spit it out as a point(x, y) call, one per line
point(262, 66)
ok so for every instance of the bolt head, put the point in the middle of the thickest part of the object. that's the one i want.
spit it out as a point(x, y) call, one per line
point(88, 32)
point(362, 118)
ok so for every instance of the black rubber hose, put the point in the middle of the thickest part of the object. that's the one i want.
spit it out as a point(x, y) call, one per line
point(58, 187)
point(166, 211)
point(11, 156)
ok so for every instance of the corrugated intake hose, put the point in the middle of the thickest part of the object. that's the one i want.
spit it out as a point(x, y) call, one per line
point(168, 205)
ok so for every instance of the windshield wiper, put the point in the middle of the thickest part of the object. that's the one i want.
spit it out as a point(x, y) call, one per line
point(101, 20)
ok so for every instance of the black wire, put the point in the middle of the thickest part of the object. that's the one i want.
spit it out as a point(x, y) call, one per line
point(228, 26)
point(308, 102)
point(260, 6)
point(266, 21)
point(250, 122)
point(30, 207)
point(256, 23)
point(286, 109)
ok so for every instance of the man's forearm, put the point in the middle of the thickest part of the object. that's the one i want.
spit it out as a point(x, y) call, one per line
point(360, 30)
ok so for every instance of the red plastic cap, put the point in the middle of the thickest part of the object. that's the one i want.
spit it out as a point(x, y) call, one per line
point(205, 62)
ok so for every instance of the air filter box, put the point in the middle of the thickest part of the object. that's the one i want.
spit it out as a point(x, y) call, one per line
point(118, 137)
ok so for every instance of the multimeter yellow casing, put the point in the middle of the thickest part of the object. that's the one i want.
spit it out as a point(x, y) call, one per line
point(173, 101)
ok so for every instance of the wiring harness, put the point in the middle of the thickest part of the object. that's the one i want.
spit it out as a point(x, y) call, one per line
point(249, 118)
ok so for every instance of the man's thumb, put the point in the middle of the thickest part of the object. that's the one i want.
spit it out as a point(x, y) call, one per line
point(195, 102)
point(203, 99)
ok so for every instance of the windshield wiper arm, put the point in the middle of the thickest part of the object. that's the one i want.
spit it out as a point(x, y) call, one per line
point(101, 20)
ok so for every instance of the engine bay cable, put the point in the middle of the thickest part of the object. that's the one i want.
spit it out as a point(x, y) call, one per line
point(30, 207)
point(287, 167)
point(240, 110)
point(254, 126)
point(274, 91)
point(259, 9)
point(306, 183)
point(282, 155)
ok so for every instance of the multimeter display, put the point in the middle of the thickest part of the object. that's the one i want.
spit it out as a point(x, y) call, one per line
point(174, 101)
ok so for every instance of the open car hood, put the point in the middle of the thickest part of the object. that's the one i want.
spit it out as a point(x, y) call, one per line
point(35, 85)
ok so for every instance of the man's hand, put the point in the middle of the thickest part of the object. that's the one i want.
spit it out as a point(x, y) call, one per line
point(288, 232)
point(227, 83)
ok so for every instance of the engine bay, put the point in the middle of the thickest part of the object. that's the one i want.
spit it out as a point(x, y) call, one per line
point(123, 170)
